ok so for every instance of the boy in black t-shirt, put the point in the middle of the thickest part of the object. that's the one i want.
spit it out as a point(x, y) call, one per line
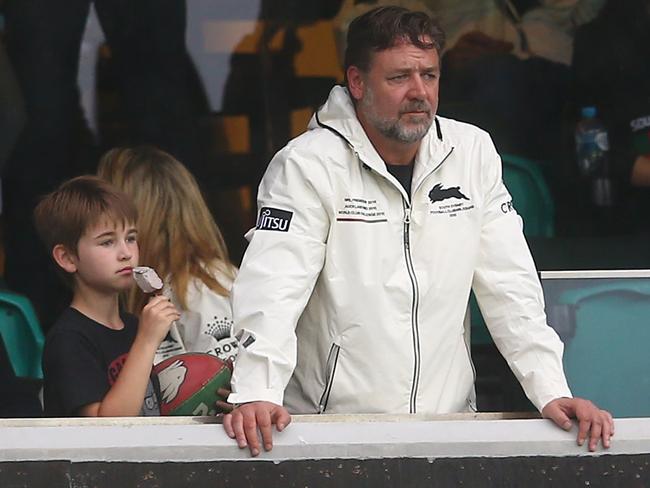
point(97, 359)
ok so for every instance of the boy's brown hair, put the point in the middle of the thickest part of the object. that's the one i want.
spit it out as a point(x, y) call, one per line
point(63, 216)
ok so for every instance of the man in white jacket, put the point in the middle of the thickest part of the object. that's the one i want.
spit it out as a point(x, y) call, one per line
point(373, 227)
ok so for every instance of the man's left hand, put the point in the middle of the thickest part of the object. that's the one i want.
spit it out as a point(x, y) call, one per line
point(592, 421)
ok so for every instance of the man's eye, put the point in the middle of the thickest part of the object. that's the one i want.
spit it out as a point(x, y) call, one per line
point(429, 76)
point(399, 77)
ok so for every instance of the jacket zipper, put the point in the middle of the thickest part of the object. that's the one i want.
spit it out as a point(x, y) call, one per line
point(414, 308)
point(414, 304)
point(332, 359)
point(415, 328)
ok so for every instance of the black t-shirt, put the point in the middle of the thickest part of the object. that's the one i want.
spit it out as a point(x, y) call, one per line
point(81, 361)
point(403, 173)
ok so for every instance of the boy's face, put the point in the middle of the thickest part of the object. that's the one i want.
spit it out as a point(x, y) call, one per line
point(106, 255)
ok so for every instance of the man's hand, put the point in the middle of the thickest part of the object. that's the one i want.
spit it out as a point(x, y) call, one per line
point(592, 421)
point(243, 422)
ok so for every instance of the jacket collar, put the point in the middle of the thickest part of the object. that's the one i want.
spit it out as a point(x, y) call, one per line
point(338, 116)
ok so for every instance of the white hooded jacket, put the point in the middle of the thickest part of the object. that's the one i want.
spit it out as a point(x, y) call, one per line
point(352, 295)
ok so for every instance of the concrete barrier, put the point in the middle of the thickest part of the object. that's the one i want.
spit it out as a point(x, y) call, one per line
point(328, 450)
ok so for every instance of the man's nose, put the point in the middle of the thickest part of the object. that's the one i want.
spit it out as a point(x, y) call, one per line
point(417, 89)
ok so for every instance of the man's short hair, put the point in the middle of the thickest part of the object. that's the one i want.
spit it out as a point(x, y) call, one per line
point(64, 215)
point(385, 27)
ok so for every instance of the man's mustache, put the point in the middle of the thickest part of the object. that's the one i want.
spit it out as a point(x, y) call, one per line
point(416, 106)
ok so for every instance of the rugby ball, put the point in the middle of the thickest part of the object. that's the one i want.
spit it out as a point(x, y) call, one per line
point(189, 383)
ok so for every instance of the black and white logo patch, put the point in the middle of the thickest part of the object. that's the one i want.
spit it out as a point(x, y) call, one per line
point(438, 193)
point(274, 219)
point(459, 202)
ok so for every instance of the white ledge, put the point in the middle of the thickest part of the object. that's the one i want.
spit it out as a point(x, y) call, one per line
point(198, 439)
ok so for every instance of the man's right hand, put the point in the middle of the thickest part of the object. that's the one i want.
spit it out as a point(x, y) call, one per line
point(156, 319)
point(243, 422)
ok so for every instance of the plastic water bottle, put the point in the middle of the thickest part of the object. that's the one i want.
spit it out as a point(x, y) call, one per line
point(592, 147)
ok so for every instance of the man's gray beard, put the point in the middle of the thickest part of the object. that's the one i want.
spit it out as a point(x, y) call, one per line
point(394, 128)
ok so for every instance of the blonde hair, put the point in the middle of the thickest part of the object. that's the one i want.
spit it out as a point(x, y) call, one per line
point(176, 232)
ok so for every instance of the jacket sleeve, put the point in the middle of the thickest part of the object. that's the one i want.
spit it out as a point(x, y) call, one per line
point(509, 293)
point(277, 275)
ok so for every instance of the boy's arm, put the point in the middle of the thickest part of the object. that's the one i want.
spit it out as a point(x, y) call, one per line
point(127, 393)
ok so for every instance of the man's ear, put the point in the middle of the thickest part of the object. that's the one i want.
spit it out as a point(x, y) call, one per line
point(64, 258)
point(356, 82)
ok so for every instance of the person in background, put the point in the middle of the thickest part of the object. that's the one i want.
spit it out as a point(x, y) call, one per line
point(505, 65)
point(18, 398)
point(526, 28)
point(12, 110)
point(155, 76)
point(372, 229)
point(12, 118)
point(611, 71)
point(180, 240)
point(97, 359)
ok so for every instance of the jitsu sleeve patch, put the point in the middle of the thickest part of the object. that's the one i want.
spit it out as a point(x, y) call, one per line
point(274, 219)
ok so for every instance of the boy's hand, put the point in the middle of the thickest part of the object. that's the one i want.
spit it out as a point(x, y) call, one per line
point(156, 319)
point(223, 405)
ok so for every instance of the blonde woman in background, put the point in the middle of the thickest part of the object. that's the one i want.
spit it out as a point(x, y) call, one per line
point(180, 240)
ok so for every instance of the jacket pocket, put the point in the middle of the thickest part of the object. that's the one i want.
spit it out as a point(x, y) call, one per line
point(332, 359)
